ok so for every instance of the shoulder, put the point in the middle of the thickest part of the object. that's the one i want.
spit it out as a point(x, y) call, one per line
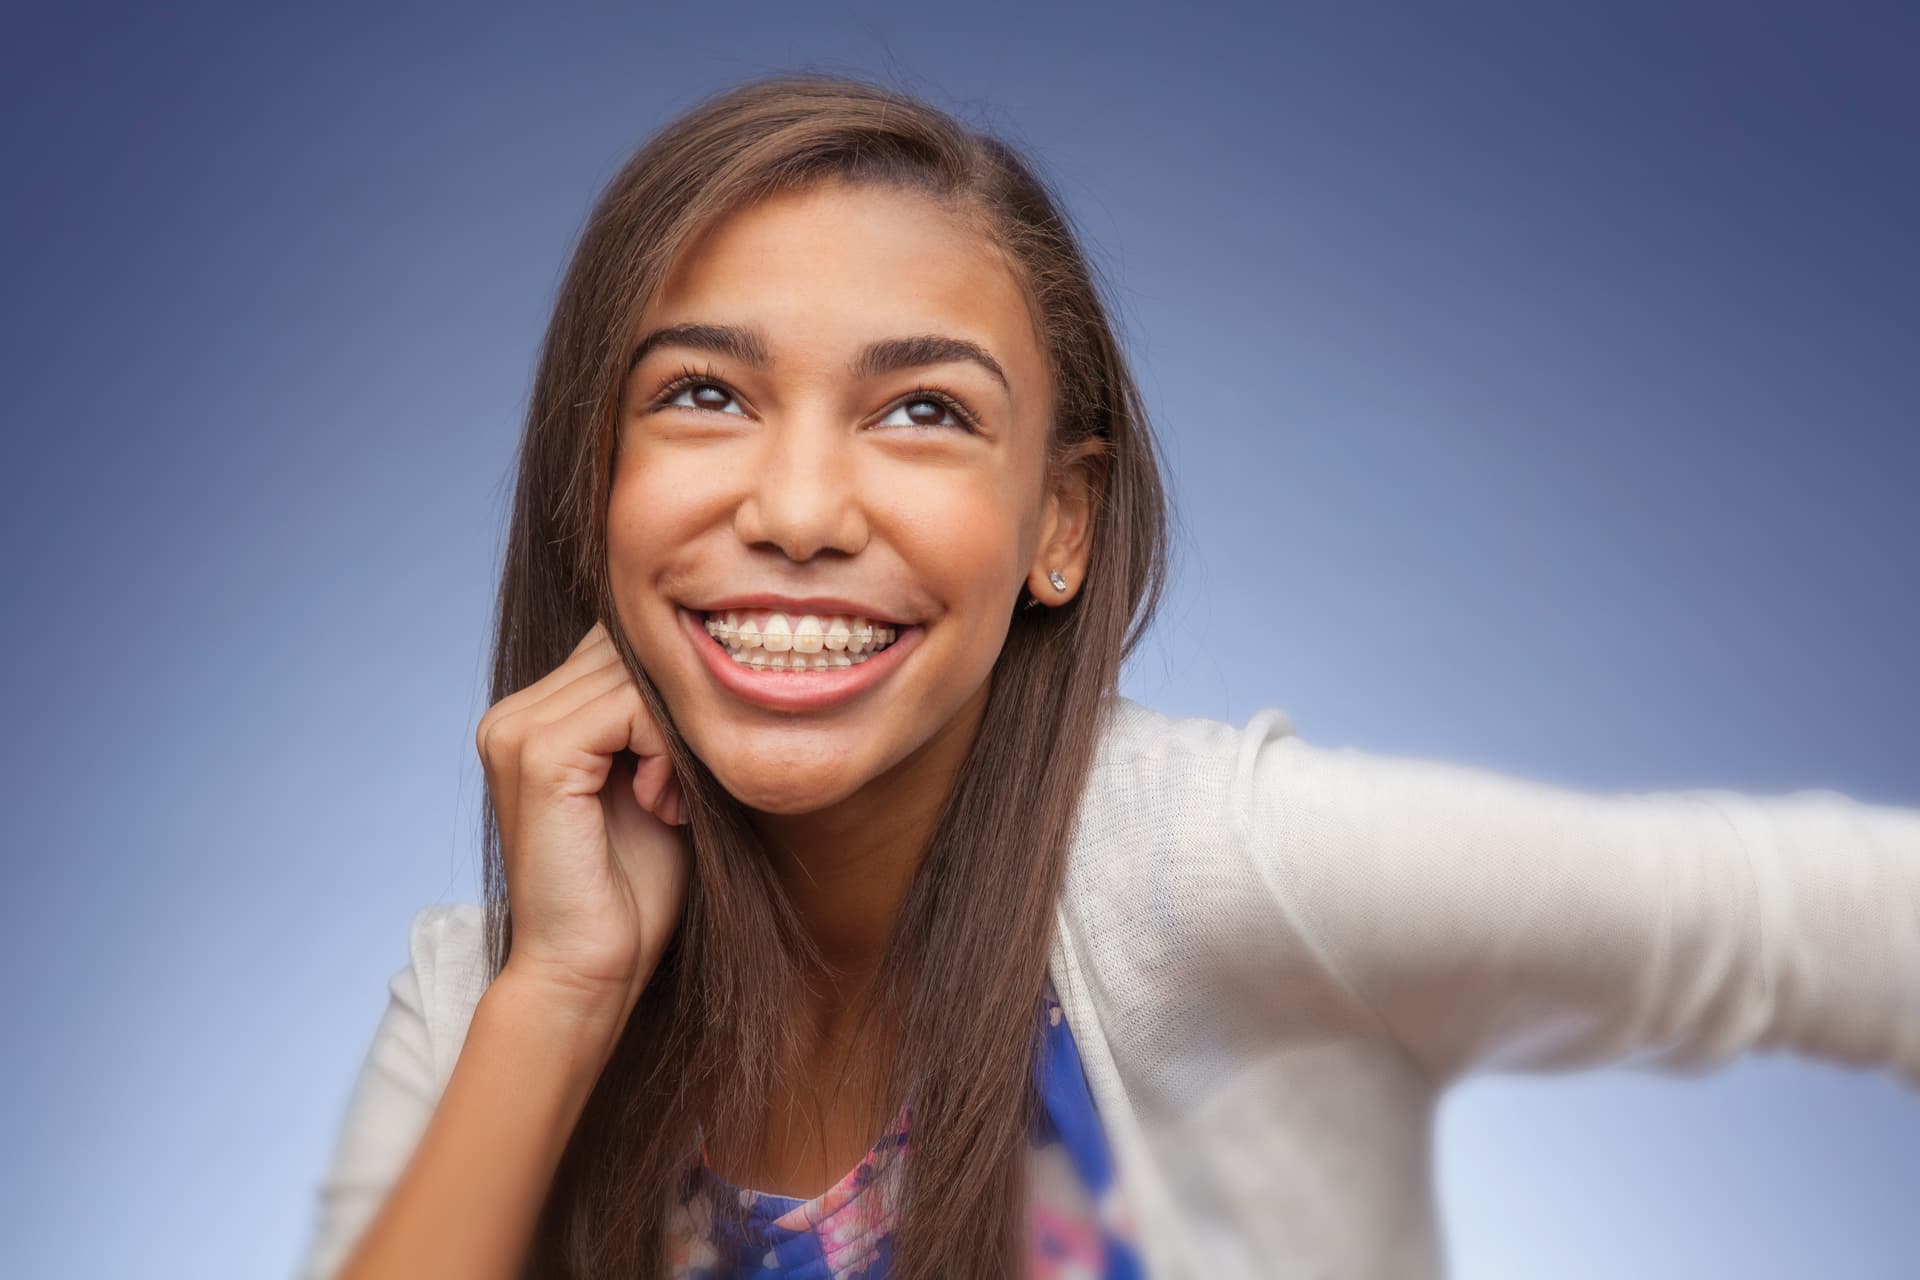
point(446, 934)
point(1164, 816)
point(447, 973)
point(1198, 853)
point(431, 1002)
point(1151, 769)
point(1134, 733)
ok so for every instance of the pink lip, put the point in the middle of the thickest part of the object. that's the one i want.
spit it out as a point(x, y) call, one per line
point(820, 606)
point(794, 690)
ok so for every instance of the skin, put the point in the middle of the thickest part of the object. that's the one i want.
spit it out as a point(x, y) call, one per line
point(801, 478)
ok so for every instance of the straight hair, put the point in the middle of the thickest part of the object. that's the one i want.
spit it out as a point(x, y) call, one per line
point(707, 1041)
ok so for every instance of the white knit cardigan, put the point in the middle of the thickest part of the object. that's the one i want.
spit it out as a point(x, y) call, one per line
point(1274, 957)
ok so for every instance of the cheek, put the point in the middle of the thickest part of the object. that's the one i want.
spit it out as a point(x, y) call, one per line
point(644, 534)
point(631, 557)
point(986, 569)
point(645, 512)
point(966, 535)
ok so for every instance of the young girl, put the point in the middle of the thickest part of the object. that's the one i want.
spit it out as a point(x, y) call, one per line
point(841, 919)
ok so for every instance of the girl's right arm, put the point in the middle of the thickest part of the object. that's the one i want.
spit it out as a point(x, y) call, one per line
point(468, 1201)
point(596, 878)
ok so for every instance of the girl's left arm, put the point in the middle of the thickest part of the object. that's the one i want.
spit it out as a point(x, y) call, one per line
point(1490, 922)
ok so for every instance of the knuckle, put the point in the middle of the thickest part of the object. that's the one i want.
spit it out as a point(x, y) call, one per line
point(543, 745)
point(492, 737)
point(597, 632)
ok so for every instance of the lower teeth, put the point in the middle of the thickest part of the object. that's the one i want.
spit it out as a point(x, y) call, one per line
point(761, 660)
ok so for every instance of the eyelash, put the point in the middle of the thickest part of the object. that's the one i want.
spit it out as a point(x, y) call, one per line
point(694, 376)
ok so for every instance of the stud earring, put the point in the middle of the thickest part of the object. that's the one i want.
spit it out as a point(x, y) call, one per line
point(1059, 583)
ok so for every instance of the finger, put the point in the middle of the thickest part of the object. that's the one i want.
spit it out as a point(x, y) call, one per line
point(567, 699)
point(583, 686)
point(578, 748)
point(512, 721)
point(650, 783)
point(586, 657)
point(674, 803)
point(596, 634)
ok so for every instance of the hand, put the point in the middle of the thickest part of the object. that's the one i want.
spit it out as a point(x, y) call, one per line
point(589, 814)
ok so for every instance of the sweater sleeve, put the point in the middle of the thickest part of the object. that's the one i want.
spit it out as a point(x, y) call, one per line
point(430, 1001)
point(1494, 923)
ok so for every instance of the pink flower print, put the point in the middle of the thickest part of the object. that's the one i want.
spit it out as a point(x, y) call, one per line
point(1063, 1247)
point(690, 1250)
point(850, 1240)
point(1063, 1230)
point(1117, 1213)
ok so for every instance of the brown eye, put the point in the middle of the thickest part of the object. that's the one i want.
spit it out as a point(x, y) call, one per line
point(926, 411)
point(702, 395)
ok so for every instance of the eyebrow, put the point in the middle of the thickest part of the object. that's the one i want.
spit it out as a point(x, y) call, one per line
point(887, 355)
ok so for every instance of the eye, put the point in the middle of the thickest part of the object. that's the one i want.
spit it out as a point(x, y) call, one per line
point(697, 392)
point(928, 409)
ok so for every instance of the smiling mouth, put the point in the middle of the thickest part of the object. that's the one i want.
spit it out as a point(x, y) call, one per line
point(769, 640)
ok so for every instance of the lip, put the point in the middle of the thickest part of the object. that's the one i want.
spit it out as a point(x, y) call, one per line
point(794, 691)
point(817, 605)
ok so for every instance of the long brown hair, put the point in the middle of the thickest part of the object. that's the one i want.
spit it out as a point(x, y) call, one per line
point(967, 958)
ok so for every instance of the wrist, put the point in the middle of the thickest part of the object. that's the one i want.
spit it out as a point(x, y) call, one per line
point(563, 1010)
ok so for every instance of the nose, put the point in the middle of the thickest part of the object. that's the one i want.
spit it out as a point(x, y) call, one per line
point(803, 494)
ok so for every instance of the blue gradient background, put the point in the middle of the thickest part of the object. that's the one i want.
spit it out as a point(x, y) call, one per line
point(1539, 391)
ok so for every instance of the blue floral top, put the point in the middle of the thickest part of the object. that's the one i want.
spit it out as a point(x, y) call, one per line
point(1077, 1223)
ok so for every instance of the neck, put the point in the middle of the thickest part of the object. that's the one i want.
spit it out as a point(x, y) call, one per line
point(847, 868)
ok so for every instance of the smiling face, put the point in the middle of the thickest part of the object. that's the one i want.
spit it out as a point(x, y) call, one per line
point(841, 404)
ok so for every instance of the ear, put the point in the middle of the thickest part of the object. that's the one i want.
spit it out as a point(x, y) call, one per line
point(1066, 523)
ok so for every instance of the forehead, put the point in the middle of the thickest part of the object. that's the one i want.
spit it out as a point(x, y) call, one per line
point(833, 266)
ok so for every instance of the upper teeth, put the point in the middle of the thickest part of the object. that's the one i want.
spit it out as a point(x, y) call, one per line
point(744, 631)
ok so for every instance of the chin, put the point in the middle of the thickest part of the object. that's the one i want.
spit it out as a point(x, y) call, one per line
point(794, 793)
point(787, 782)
